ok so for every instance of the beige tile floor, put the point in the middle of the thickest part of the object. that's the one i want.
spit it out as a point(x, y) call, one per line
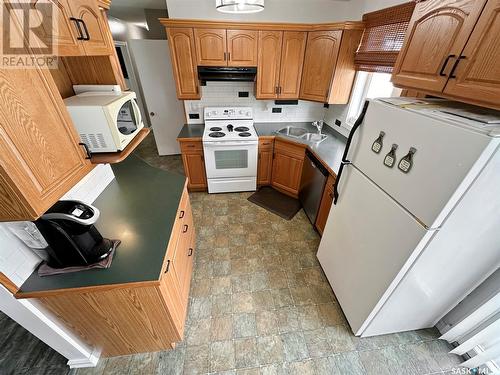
point(260, 304)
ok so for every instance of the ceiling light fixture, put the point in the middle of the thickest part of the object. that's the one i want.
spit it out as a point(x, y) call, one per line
point(239, 6)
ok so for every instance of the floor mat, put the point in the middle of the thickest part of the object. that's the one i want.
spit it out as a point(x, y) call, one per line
point(276, 202)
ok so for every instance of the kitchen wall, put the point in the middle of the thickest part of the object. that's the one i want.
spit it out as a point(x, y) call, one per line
point(275, 11)
point(216, 94)
point(372, 5)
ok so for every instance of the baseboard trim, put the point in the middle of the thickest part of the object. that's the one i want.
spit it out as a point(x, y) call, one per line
point(91, 361)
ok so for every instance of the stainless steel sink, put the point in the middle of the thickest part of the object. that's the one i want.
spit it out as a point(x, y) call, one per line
point(314, 137)
point(292, 131)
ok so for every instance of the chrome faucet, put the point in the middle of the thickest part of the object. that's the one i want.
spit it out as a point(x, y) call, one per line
point(318, 125)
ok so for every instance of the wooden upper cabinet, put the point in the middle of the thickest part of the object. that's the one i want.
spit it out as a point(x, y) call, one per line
point(477, 76)
point(269, 62)
point(95, 42)
point(242, 47)
point(40, 156)
point(183, 56)
point(292, 61)
point(319, 64)
point(281, 57)
point(210, 47)
point(64, 36)
point(436, 36)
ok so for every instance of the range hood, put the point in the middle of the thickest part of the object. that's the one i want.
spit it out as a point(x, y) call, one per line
point(224, 73)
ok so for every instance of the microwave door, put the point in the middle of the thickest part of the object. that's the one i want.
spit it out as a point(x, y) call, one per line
point(126, 119)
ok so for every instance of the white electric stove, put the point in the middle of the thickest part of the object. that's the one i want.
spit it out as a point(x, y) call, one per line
point(230, 145)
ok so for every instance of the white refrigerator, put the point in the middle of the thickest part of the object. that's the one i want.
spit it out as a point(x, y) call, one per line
point(415, 230)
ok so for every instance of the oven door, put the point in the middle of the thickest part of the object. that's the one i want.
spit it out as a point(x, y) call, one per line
point(230, 159)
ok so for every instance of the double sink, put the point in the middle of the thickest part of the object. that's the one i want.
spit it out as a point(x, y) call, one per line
point(301, 133)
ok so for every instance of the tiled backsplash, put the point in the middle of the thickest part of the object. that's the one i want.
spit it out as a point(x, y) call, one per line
point(219, 94)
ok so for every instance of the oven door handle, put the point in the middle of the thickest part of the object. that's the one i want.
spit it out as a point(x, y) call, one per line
point(216, 144)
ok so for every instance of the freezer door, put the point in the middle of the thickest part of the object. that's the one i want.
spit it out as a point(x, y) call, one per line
point(368, 243)
point(446, 160)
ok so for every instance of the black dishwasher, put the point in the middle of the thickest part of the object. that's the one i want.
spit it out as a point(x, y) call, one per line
point(314, 176)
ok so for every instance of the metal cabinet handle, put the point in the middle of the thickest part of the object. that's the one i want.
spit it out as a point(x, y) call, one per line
point(80, 32)
point(87, 150)
point(168, 266)
point(445, 64)
point(452, 73)
point(181, 215)
point(190, 252)
point(225, 56)
point(185, 228)
point(229, 56)
point(87, 35)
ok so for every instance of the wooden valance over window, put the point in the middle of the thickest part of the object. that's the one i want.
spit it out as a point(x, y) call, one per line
point(383, 38)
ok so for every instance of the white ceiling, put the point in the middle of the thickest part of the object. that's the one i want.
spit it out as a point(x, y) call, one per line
point(133, 10)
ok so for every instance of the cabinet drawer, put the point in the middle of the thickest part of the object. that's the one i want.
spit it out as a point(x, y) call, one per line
point(193, 147)
point(266, 144)
point(293, 150)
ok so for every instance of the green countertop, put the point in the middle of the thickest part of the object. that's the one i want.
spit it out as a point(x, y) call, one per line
point(139, 208)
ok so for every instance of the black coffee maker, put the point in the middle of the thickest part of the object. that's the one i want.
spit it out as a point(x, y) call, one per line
point(68, 227)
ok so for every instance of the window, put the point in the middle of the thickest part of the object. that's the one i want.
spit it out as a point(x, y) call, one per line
point(368, 86)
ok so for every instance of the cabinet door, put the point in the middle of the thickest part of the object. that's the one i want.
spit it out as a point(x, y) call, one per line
point(265, 168)
point(478, 73)
point(292, 61)
point(268, 70)
point(182, 53)
point(326, 204)
point(242, 47)
point(194, 166)
point(183, 263)
point(93, 27)
point(210, 47)
point(40, 156)
point(287, 171)
point(319, 64)
point(436, 36)
point(64, 36)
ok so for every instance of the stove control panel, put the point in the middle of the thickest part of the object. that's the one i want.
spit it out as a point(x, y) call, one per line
point(224, 113)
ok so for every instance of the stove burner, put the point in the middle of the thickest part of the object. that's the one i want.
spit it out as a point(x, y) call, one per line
point(241, 129)
point(216, 135)
point(215, 129)
point(245, 134)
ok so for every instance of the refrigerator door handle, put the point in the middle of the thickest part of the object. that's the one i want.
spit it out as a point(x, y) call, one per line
point(345, 161)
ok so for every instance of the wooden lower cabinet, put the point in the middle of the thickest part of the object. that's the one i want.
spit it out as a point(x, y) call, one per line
point(138, 317)
point(288, 159)
point(265, 162)
point(194, 164)
point(325, 205)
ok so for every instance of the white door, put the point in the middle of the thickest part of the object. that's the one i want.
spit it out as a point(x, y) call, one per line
point(166, 112)
point(368, 243)
point(447, 159)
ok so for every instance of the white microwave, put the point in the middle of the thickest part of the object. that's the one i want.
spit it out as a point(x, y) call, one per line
point(106, 121)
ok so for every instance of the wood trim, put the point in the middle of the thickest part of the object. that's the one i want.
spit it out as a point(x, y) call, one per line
point(189, 139)
point(347, 25)
point(117, 157)
point(86, 289)
point(8, 284)
point(104, 4)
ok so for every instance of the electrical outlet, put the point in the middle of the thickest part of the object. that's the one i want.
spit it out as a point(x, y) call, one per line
point(243, 94)
point(276, 110)
point(194, 116)
point(338, 122)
